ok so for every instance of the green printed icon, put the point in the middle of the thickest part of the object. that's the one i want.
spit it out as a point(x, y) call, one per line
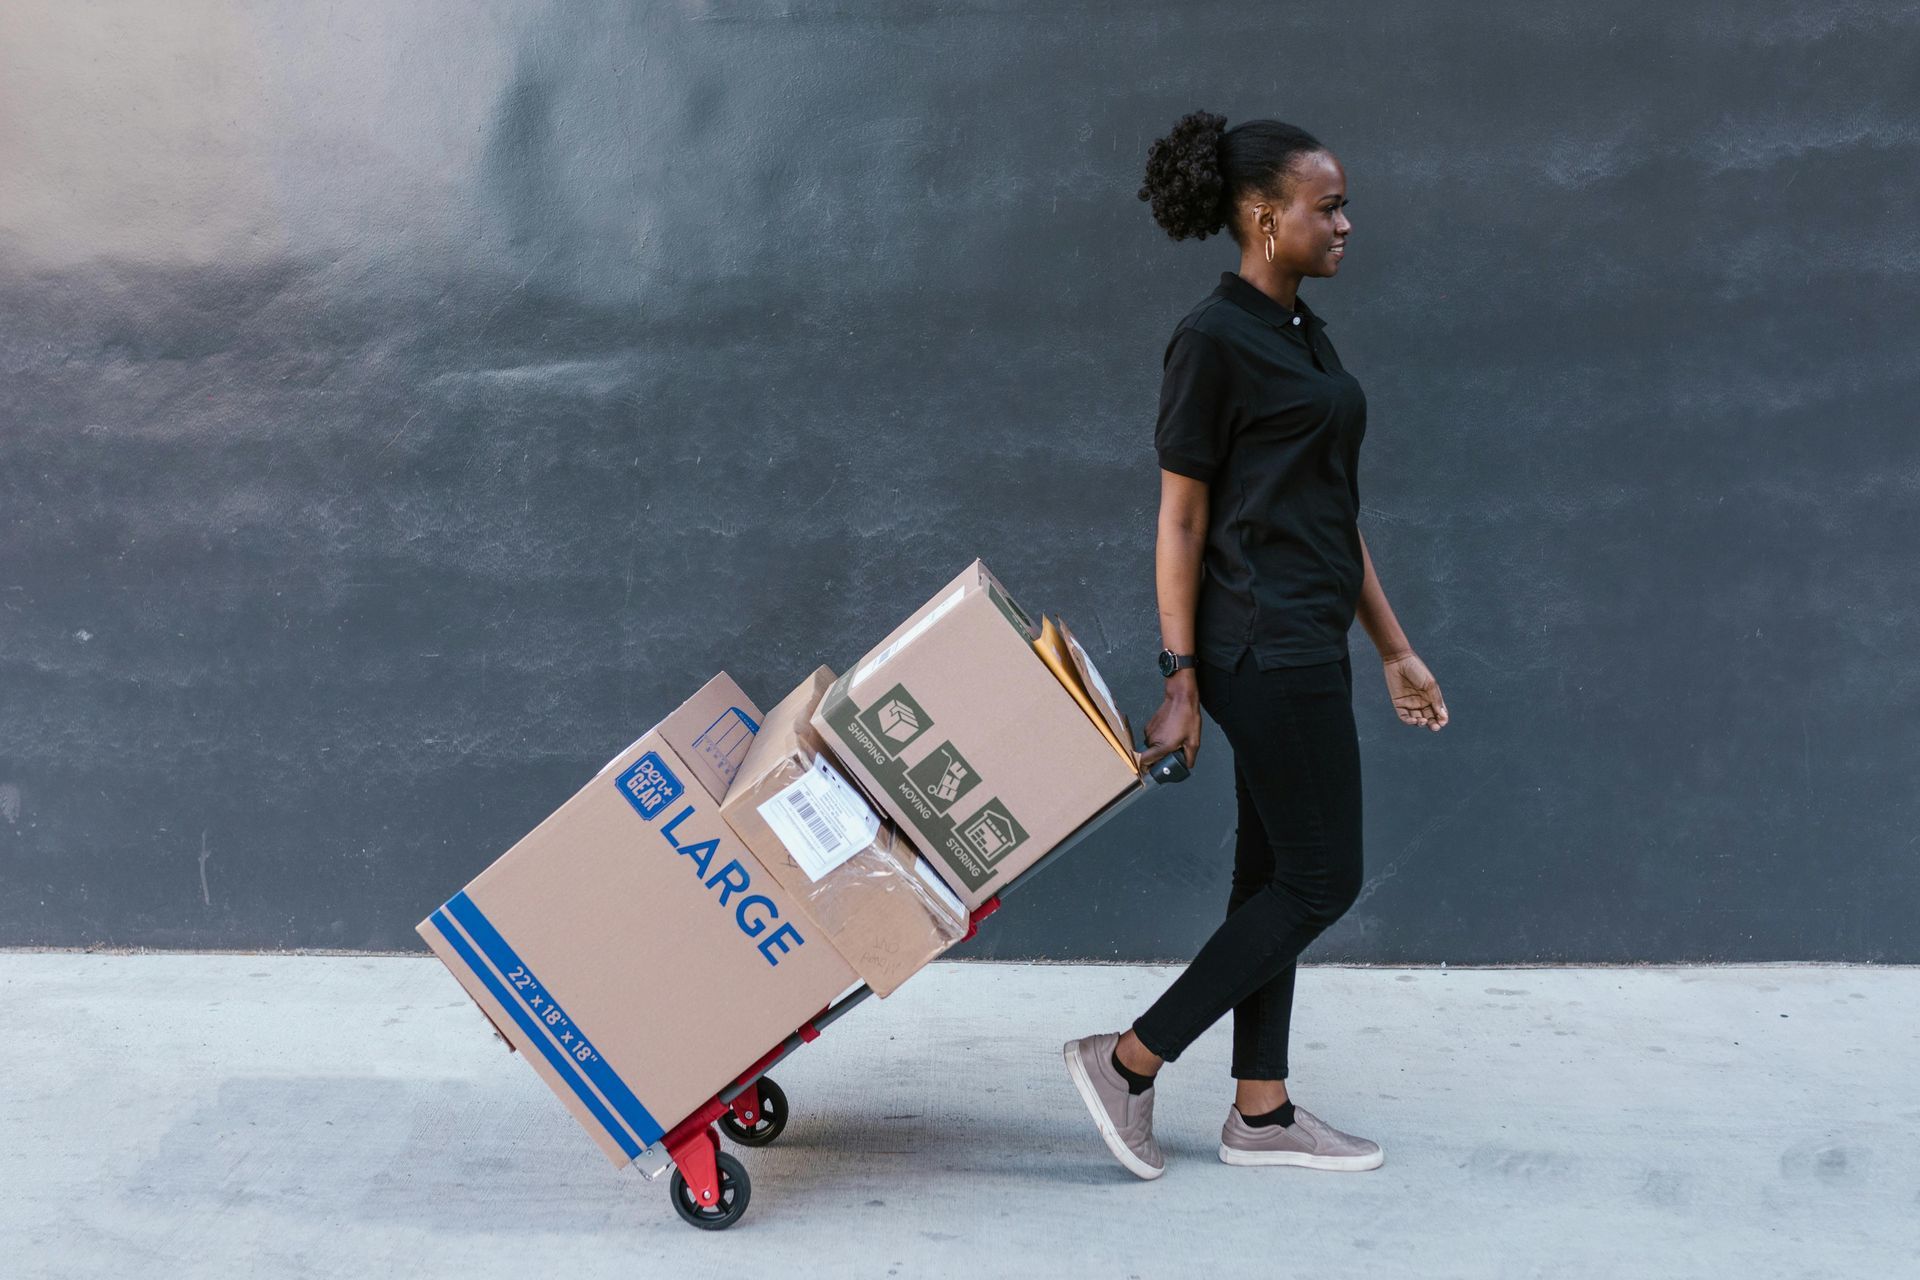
point(992, 833)
point(943, 777)
point(896, 720)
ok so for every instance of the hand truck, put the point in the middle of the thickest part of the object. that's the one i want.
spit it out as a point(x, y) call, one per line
point(710, 1187)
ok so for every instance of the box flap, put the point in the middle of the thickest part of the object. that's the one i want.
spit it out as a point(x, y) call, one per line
point(712, 732)
point(785, 729)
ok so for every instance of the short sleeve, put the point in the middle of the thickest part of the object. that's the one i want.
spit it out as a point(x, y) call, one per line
point(1196, 406)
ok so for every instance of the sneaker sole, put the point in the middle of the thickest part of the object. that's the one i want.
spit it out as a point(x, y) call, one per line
point(1302, 1160)
point(1078, 1073)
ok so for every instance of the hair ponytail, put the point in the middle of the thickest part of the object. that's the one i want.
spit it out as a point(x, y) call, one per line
point(1201, 169)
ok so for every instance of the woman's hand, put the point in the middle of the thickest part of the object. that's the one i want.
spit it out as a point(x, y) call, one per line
point(1176, 725)
point(1415, 693)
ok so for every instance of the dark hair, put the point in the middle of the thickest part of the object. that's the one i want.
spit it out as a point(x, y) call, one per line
point(1200, 170)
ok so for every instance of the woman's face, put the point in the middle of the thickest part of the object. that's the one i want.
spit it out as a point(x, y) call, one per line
point(1310, 230)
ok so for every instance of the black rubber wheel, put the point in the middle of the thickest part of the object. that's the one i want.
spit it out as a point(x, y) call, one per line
point(767, 1126)
point(735, 1190)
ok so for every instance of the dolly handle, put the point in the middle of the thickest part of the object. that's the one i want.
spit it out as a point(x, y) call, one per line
point(1170, 768)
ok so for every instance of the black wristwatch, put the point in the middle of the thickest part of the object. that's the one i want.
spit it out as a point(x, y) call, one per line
point(1171, 662)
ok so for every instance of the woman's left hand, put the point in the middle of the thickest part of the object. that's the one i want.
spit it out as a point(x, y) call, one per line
point(1415, 693)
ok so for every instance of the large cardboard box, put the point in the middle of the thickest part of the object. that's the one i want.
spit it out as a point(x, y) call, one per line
point(970, 741)
point(870, 893)
point(630, 947)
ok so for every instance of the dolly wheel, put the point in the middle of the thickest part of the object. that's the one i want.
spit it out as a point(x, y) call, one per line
point(769, 1118)
point(735, 1190)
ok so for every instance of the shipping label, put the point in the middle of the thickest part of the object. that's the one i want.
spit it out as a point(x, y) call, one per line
point(820, 819)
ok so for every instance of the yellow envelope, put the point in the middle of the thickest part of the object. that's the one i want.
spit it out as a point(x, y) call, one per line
point(1065, 658)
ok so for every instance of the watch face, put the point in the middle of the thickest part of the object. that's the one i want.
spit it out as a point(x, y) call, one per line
point(1167, 667)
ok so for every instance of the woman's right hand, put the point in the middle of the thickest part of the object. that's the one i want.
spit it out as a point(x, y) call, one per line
point(1176, 725)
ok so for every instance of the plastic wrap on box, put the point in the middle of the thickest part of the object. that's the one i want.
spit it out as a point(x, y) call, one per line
point(881, 904)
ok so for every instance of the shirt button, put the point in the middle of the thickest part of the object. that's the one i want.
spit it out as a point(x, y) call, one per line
point(1296, 319)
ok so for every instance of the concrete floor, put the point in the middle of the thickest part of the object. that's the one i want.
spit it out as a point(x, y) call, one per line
point(224, 1116)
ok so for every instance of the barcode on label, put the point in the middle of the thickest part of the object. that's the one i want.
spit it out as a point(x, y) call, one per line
point(824, 835)
point(811, 818)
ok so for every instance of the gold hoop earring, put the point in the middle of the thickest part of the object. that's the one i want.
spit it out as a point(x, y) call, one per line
point(1269, 246)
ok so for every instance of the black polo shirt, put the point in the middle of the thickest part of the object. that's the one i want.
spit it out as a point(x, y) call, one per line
point(1254, 401)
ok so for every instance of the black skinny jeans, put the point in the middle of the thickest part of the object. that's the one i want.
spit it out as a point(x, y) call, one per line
point(1296, 858)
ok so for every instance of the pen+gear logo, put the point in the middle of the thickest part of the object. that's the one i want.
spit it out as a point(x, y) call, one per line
point(649, 786)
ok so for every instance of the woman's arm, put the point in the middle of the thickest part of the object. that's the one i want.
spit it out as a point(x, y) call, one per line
point(1181, 538)
point(1376, 615)
point(1415, 693)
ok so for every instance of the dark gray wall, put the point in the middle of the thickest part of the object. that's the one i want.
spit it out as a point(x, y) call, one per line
point(403, 405)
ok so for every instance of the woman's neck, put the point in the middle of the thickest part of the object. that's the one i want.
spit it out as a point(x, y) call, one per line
point(1281, 286)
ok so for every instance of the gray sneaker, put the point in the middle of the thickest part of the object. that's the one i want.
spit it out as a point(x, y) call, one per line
point(1125, 1119)
point(1309, 1142)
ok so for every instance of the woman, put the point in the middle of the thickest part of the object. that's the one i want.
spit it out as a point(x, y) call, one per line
point(1260, 570)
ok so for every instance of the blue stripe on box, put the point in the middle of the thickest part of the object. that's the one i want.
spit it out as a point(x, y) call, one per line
point(561, 1064)
point(578, 1047)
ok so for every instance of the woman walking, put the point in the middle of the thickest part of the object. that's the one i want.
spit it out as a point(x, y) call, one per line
point(1260, 570)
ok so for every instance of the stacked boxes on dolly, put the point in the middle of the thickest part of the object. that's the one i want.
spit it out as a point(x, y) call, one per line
point(693, 913)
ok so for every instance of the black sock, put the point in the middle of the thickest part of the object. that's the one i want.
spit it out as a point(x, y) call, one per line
point(1136, 1083)
point(1282, 1114)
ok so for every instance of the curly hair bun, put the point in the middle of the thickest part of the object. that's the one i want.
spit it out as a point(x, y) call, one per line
point(1184, 182)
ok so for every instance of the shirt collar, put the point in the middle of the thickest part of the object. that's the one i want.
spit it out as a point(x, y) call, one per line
point(1237, 289)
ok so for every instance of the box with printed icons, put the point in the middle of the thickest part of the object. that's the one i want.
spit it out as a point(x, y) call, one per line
point(631, 947)
point(988, 738)
point(865, 887)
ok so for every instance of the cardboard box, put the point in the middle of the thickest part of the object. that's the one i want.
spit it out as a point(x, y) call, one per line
point(969, 740)
point(630, 947)
point(882, 906)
